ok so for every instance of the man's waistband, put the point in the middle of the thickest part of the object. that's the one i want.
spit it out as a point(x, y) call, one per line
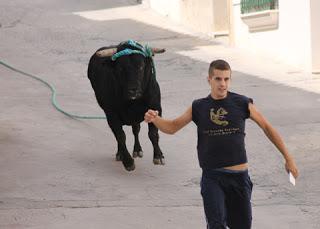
point(224, 171)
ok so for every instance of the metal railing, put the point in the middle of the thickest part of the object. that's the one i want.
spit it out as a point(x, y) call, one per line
point(250, 6)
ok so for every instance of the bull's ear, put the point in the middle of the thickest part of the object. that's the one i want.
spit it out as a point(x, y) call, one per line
point(106, 52)
point(158, 50)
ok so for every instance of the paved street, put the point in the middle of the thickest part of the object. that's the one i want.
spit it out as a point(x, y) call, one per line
point(58, 172)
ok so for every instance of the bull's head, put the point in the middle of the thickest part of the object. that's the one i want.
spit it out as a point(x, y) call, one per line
point(133, 66)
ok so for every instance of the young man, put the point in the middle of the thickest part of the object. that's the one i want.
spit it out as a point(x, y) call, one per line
point(220, 118)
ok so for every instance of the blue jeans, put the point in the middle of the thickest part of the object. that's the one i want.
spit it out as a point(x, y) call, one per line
point(226, 198)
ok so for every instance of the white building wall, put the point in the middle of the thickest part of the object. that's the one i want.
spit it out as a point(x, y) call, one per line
point(296, 41)
point(315, 35)
point(290, 43)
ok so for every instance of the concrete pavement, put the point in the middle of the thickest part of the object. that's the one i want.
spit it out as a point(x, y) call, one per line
point(57, 172)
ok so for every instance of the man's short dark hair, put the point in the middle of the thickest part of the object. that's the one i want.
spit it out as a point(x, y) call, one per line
point(220, 65)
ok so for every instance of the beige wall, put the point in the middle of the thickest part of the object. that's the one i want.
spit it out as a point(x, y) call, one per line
point(198, 15)
point(221, 22)
point(168, 8)
point(195, 14)
point(205, 16)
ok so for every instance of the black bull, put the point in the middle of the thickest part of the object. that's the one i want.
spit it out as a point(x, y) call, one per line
point(125, 88)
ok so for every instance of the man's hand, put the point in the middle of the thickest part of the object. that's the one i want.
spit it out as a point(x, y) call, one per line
point(150, 115)
point(291, 167)
point(275, 138)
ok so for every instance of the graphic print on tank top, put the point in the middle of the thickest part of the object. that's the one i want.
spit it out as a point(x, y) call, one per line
point(220, 118)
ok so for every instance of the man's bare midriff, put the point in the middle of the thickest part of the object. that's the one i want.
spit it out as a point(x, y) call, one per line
point(243, 166)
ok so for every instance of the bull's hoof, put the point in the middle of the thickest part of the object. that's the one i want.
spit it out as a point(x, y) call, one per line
point(137, 154)
point(129, 164)
point(158, 161)
point(118, 157)
point(130, 167)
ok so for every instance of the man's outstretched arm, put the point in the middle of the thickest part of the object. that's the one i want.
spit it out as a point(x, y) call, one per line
point(168, 126)
point(275, 138)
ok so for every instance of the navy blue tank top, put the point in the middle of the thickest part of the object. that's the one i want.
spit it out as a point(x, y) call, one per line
point(221, 130)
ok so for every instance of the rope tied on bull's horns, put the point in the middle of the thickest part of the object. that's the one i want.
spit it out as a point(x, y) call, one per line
point(146, 51)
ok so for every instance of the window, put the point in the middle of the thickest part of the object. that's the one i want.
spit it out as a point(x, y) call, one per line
point(260, 15)
point(251, 6)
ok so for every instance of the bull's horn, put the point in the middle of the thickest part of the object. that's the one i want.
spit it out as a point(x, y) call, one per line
point(157, 50)
point(106, 52)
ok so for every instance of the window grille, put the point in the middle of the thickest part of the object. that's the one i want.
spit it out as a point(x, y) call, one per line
point(251, 6)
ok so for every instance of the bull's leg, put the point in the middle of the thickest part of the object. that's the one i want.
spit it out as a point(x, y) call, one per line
point(137, 150)
point(158, 158)
point(122, 153)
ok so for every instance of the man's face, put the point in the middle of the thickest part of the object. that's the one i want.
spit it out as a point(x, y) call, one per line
point(219, 81)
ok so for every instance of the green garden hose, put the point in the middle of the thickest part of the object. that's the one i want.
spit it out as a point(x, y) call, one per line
point(53, 94)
